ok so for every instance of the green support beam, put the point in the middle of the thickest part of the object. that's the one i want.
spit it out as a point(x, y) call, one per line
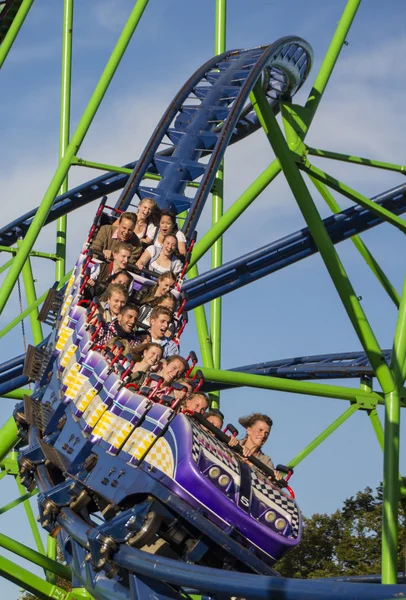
point(34, 253)
point(218, 207)
point(32, 307)
point(357, 160)
point(8, 437)
point(18, 501)
point(18, 394)
point(31, 296)
point(35, 557)
point(206, 349)
point(235, 211)
point(80, 162)
point(324, 435)
point(15, 27)
point(322, 240)
point(32, 583)
point(330, 59)
point(66, 71)
point(32, 521)
point(351, 194)
point(360, 246)
point(324, 390)
point(75, 143)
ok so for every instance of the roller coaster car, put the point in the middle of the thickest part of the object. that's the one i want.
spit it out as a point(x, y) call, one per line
point(154, 475)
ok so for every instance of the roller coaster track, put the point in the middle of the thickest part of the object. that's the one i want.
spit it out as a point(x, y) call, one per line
point(246, 124)
point(216, 94)
point(287, 250)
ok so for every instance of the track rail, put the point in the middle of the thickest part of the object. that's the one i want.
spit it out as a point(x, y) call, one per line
point(288, 250)
point(203, 117)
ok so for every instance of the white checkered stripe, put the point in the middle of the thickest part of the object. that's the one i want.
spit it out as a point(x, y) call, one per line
point(261, 485)
point(203, 439)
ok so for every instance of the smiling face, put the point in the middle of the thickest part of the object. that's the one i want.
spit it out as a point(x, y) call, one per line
point(125, 230)
point(166, 225)
point(152, 355)
point(127, 320)
point(169, 245)
point(159, 326)
point(165, 286)
point(121, 259)
point(172, 370)
point(116, 302)
point(145, 209)
point(257, 434)
point(197, 403)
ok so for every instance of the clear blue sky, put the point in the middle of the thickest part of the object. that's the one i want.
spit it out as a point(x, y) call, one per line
point(296, 311)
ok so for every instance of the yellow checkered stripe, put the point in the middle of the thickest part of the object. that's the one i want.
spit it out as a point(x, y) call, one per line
point(66, 304)
point(139, 442)
point(94, 411)
point(119, 435)
point(106, 425)
point(85, 396)
point(161, 457)
point(67, 356)
point(64, 335)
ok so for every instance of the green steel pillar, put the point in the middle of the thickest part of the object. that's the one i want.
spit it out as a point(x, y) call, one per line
point(217, 207)
point(31, 519)
point(75, 143)
point(61, 224)
point(8, 437)
point(391, 452)
point(203, 335)
point(322, 240)
point(31, 297)
point(330, 58)
point(35, 557)
point(14, 29)
point(30, 582)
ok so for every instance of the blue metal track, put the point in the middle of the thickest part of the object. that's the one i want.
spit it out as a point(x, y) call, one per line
point(288, 250)
point(137, 575)
point(110, 182)
point(216, 94)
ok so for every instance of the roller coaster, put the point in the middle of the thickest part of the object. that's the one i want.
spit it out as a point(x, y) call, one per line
point(119, 470)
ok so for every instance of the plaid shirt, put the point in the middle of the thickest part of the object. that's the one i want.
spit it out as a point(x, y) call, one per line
point(109, 331)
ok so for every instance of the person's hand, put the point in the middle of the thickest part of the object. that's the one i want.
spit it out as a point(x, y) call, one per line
point(278, 475)
point(107, 254)
point(248, 451)
point(232, 441)
point(91, 282)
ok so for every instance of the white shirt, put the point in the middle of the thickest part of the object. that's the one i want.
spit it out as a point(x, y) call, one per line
point(154, 252)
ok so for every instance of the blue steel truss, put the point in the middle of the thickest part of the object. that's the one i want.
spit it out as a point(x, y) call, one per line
point(287, 250)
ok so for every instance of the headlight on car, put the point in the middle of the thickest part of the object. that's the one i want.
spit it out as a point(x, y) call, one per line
point(270, 516)
point(224, 480)
point(280, 524)
point(214, 472)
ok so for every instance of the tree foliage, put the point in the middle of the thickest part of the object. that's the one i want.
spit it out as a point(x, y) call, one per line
point(348, 542)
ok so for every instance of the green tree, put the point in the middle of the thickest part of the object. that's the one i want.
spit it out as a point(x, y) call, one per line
point(348, 542)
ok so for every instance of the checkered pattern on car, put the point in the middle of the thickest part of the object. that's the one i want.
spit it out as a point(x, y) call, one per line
point(161, 457)
point(203, 439)
point(260, 483)
point(139, 442)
